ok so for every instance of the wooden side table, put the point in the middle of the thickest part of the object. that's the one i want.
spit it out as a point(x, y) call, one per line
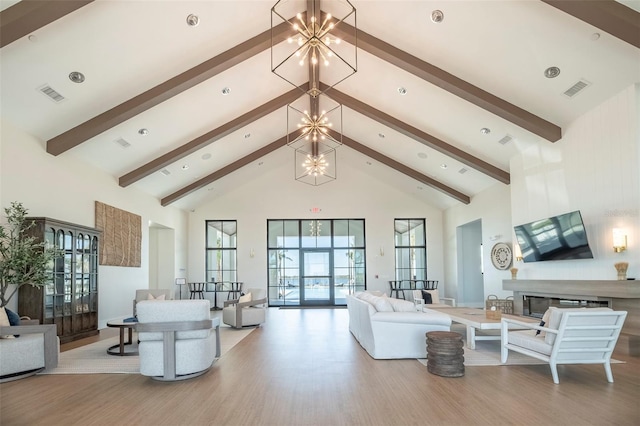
point(445, 353)
point(119, 349)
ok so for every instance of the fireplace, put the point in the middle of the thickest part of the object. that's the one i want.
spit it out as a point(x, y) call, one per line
point(536, 306)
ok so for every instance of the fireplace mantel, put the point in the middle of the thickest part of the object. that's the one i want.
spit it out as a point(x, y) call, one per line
point(629, 289)
point(621, 295)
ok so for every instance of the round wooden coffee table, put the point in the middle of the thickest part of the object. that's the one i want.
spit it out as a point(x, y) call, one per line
point(120, 348)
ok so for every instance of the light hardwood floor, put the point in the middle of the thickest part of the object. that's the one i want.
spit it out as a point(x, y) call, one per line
point(303, 367)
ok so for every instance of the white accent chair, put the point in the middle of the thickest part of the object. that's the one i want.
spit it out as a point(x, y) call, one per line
point(572, 336)
point(436, 300)
point(176, 339)
point(36, 349)
point(239, 313)
point(144, 294)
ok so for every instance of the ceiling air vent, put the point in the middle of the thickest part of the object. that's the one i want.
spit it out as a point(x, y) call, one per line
point(576, 88)
point(51, 93)
point(505, 140)
point(463, 171)
point(165, 172)
point(123, 143)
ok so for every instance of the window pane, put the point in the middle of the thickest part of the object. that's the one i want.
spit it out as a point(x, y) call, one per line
point(276, 233)
point(340, 233)
point(291, 234)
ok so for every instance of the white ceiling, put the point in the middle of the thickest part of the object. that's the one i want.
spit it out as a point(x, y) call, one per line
point(127, 47)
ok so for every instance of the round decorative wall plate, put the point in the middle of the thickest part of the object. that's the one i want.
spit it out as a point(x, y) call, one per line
point(501, 256)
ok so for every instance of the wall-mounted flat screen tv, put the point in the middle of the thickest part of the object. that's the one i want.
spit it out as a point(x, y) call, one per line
point(560, 237)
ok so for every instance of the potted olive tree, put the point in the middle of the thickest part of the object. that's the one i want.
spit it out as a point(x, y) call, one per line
point(23, 261)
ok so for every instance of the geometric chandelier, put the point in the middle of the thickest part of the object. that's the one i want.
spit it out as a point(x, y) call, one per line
point(313, 54)
point(311, 47)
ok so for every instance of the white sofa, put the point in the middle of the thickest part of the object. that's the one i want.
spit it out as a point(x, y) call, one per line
point(389, 328)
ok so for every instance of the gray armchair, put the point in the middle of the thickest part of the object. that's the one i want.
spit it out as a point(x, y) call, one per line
point(176, 339)
point(144, 294)
point(238, 314)
point(35, 350)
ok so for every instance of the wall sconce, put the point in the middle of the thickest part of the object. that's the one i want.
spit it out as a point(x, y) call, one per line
point(517, 253)
point(252, 253)
point(619, 240)
point(381, 251)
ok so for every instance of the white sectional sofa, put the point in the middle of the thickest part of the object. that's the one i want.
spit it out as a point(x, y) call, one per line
point(389, 328)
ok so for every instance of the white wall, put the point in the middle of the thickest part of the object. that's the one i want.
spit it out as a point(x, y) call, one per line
point(274, 194)
point(62, 188)
point(493, 208)
point(594, 168)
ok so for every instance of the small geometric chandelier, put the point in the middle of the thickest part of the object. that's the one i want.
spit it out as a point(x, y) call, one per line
point(312, 43)
point(315, 163)
point(314, 119)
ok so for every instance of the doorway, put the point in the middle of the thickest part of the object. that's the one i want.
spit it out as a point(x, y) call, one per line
point(316, 284)
point(470, 272)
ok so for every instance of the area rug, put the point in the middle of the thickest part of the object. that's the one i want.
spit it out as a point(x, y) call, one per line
point(93, 358)
point(488, 353)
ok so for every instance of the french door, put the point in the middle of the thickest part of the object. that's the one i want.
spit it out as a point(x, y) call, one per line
point(317, 283)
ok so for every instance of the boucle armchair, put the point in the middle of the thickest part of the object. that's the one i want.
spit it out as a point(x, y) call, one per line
point(176, 338)
point(35, 350)
point(569, 336)
point(248, 310)
point(151, 294)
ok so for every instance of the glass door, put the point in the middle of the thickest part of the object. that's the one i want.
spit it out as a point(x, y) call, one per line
point(316, 281)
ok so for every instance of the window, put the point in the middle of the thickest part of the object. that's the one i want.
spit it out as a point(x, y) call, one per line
point(315, 262)
point(411, 249)
point(221, 251)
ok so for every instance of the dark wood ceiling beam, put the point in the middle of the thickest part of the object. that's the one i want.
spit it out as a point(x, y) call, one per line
point(209, 137)
point(27, 16)
point(363, 149)
point(450, 83)
point(218, 174)
point(165, 91)
point(610, 16)
point(420, 136)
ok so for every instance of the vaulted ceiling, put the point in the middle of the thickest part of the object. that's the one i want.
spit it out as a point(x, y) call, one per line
point(211, 104)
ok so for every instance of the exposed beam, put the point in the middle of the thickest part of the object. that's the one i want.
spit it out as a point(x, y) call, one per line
point(27, 16)
point(610, 16)
point(406, 170)
point(450, 83)
point(164, 91)
point(201, 183)
point(209, 137)
point(420, 136)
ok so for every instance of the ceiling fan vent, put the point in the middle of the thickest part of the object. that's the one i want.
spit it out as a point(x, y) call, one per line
point(463, 171)
point(576, 88)
point(165, 172)
point(52, 93)
point(505, 140)
point(123, 143)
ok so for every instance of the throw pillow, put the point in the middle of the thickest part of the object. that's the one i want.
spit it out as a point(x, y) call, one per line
point(245, 298)
point(4, 322)
point(545, 320)
point(426, 296)
point(152, 297)
point(400, 305)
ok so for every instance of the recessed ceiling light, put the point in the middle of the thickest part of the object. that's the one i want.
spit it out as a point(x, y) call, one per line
point(76, 77)
point(206, 156)
point(402, 91)
point(443, 166)
point(33, 38)
point(422, 155)
point(185, 167)
point(226, 91)
point(193, 20)
point(485, 130)
point(381, 135)
point(143, 131)
point(437, 16)
point(595, 36)
point(552, 72)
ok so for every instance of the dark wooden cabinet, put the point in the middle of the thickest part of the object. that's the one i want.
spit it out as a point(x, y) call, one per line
point(69, 299)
